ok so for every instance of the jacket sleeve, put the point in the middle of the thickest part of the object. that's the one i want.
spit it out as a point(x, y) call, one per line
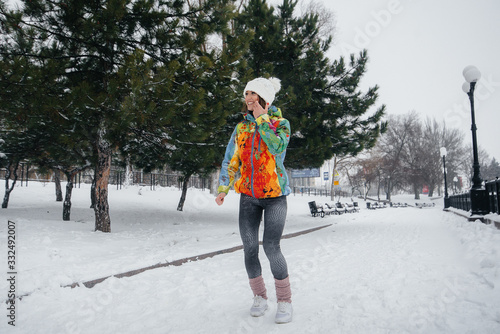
point(275, 137)
point(230, 165)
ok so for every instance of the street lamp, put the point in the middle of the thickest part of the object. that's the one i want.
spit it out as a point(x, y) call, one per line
point(446, 198)
point(479, 202)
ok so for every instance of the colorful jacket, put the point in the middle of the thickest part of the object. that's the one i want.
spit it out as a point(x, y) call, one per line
point(257, 147)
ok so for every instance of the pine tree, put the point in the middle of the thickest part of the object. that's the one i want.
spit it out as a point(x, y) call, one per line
point(94, 46)
point(37, 109)
point(189, 140)
point(199, 138)
point(19, 99)
point(327, 112)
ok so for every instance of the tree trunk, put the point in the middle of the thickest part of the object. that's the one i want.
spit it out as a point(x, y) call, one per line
point(214, 182)
point(388, 197)
point(57, 181)
point(67, 199)
point(129, 175)
point(8, 189)
point(378, 189)
point(185, 182)
point(431, 190)
point(92, 192)
point(416, 191)
point(101, 209)
point(332, 190)
point(366, 190)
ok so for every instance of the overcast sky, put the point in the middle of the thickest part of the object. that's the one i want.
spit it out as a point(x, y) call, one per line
point(418, 49)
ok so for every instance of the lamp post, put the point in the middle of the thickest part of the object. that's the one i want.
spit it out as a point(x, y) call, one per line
point(479, 202)
point(446, 198)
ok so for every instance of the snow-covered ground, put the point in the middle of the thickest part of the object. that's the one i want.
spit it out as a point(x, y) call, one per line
point(393, 270)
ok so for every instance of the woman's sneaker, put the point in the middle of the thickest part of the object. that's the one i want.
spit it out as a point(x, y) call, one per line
point(259, 306)
point(284, 313)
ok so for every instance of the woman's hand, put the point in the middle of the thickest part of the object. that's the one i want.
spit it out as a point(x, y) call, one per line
point(220, 198)
point(258, 110)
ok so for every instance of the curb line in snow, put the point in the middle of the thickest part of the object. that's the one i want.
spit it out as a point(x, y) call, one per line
point(92, 283)
point(467, 215)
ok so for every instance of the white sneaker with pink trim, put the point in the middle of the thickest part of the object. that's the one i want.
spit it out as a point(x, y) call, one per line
point(259, 306)
point(284, 313)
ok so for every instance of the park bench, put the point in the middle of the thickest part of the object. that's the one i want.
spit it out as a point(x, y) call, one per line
point(352, 207)
point(376, 205)
point(398, 205)
point(424, 205)
point(315, 210)
point(340, 208)
point(334, 210)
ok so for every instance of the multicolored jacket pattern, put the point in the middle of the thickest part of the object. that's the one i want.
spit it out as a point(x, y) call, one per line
point(257, 148)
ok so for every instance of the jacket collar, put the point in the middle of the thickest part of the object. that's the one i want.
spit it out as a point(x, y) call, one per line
point(272, 111)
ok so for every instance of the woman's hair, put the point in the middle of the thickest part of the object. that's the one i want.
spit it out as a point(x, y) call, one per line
point(262, 102)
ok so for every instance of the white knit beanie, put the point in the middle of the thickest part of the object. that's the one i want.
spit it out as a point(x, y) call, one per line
point(266, 88)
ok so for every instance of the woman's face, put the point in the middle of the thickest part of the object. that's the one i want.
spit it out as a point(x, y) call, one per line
point(251, 98)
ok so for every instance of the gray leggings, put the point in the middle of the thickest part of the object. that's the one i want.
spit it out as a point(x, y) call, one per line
point(274, 222)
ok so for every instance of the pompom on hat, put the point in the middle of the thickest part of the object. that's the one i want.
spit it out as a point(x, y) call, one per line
point(266, 88)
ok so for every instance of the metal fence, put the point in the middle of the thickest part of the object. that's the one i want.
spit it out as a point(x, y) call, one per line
point(490, 202)
point(116, 178)
point(461, 201)
point(152, 180)
point(492, 189)
point(310, 191)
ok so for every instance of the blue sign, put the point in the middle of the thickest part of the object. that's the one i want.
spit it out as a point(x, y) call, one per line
point(309, 172)
point(325, 176)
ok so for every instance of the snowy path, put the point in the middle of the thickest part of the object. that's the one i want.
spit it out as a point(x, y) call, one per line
point(179, 262)
point(401, 270)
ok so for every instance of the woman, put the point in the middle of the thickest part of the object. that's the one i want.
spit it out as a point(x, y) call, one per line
point(257, 148)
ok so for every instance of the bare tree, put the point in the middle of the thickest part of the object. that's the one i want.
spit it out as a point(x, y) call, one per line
point(326, 18)
point(394, 146)
point(338, 163)
point(435, 136)
point(407, 157)
point(414, 153)
point(368, 172)
point(466, 160)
